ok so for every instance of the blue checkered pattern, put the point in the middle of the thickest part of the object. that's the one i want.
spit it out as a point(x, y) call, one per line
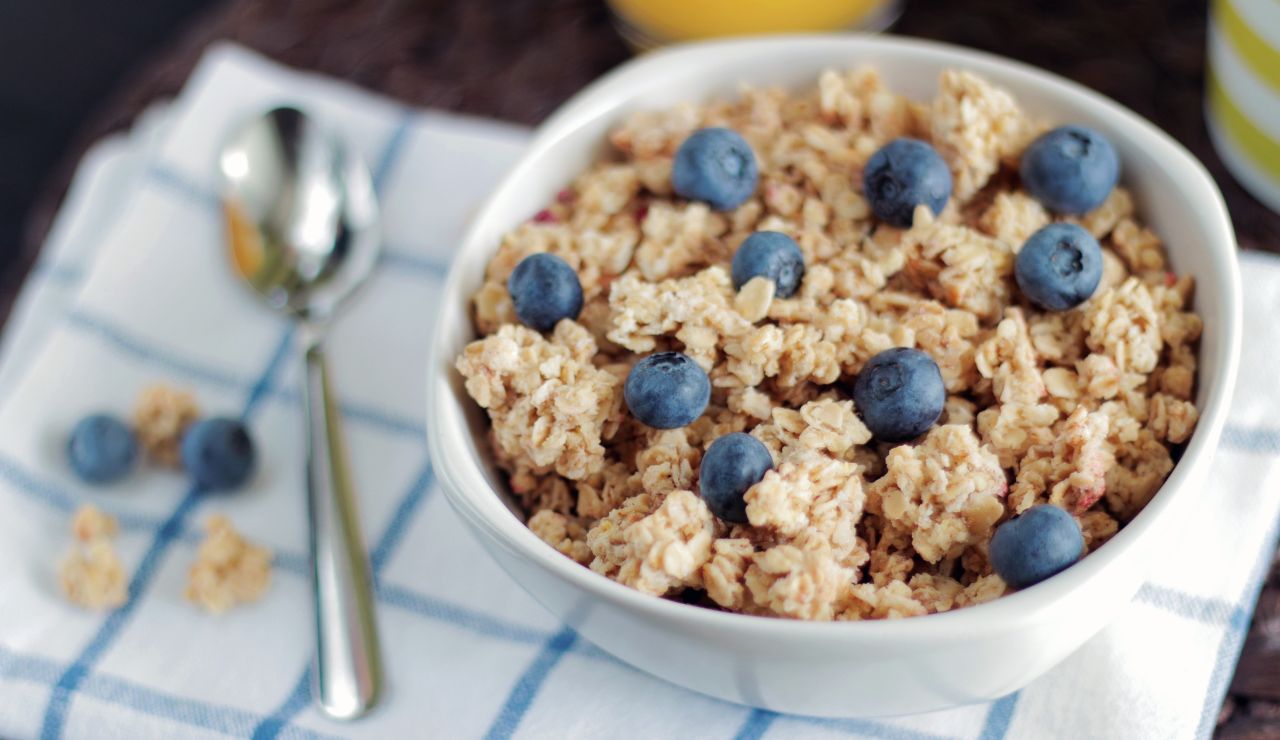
point(468, 653)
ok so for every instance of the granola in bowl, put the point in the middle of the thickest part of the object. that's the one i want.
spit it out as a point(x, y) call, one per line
point(1081, 408)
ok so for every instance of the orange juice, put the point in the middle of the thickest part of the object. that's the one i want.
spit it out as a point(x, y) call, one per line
point(680, 20)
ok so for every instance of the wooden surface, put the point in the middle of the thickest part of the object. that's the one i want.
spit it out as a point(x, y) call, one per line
point(518, 59)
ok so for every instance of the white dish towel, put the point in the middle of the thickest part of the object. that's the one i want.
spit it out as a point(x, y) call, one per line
point(133, 289)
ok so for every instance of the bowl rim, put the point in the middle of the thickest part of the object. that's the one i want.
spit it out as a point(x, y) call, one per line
point(485, 511)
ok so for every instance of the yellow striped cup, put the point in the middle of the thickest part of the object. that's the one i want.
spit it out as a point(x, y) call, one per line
point(1242, 99)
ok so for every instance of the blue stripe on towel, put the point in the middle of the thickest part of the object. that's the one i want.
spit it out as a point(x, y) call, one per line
point(756, 724)
point(439, 610)
point(391, 150)
point(1251, 439)
point(137, 697)
point(403, 261)
point(175, 181)
point(527, 686)
point(58, 273)
point(1213, 612)
point(404, 512)
point(881, 729)
point(999, 717)
point(121, 339)
point(297, 700)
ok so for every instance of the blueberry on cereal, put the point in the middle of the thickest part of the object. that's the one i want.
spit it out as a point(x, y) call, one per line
point(667, 390)
point(1059, 267)
point(903, 174)
point(715, 165)
point(899, 394)
point(218, 453)
point(1070, 169)
point(102, 449)
point(773, 255)
point(544, 289)
point(1036, 544)
point(732, 464)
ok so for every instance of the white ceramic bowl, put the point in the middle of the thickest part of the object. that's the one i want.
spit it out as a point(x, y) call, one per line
point(845, 669)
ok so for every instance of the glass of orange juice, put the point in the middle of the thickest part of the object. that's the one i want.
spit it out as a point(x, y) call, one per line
point(649, 23)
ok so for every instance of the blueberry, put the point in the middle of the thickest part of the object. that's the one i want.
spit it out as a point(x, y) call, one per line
point(1040, 542)
point(770, 254)
point(1070, 169)
point(218, 453)
point(667, 390)
point(899, 394)
point(1059, 267)
point(903, 174)
point(544, 289)
point(732, 464)
point(715, 165)
point(102, 449)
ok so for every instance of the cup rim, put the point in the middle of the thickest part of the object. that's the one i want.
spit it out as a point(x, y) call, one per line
point(484, 510)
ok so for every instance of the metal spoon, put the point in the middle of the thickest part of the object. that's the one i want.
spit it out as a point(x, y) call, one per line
point(303, 230)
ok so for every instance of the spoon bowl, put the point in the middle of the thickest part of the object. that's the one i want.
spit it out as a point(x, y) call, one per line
point(302, 215)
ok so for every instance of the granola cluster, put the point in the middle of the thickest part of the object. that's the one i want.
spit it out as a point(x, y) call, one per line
point(1084, 408)
point(228, 569)
point(161, 416)
point(91, 575)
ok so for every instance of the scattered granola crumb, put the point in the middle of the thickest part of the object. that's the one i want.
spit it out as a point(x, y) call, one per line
point(91, 575)
point(228, 570)
point(162, 414)
point(90, 523)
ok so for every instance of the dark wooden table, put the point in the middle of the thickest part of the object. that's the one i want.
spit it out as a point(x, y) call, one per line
point(518, 59)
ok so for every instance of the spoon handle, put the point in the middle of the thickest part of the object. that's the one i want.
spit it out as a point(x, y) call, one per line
point(348, 667)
